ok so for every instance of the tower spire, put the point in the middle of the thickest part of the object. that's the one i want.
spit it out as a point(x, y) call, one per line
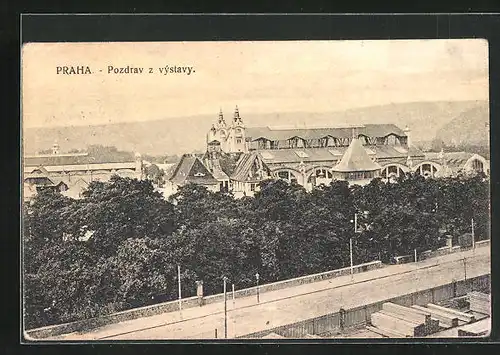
point(237, 114)
point(221, 121)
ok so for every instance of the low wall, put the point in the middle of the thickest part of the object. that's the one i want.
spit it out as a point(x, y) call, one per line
point(447, 250)
point(92, 323)
point(482, 243)
point(358, 316)
point(251, 291)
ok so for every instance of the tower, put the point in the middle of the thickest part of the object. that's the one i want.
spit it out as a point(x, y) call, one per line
point(55, 148)
point(237, 137)
point(221, 123)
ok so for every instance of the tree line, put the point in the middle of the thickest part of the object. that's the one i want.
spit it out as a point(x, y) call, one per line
point(118, 247)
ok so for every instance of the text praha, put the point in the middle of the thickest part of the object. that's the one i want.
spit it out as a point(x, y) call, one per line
point(126, 70)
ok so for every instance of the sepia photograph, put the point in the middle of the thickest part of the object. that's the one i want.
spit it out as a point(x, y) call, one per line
point(255, 190)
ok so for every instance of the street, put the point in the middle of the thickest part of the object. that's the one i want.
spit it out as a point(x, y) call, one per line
point(294, 304)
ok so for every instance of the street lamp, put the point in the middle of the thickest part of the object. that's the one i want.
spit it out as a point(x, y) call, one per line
point(225, 308)
point(257, 277)
point(355, 221)
point(472, 232)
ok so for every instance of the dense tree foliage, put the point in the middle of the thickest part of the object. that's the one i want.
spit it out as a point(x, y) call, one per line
point(119, 246)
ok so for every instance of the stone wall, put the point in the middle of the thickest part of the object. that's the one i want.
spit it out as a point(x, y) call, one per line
point(172, 306)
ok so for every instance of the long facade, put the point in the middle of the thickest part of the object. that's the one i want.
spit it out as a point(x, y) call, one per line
point(71, 173)
point(315, 156)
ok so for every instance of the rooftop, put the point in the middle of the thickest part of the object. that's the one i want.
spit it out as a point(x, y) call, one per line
point(356, 158)
point(369, 130)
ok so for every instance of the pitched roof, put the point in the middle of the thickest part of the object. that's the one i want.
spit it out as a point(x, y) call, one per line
point(86, 167)
point(245, 169)
point(70, 159)
point(370, 130)
point(330, 155)
point(452, 159)
point(356, 158)
point(191, 169)
point(217, 171)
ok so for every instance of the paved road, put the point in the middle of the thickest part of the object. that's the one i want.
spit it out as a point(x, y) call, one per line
point(297, 303)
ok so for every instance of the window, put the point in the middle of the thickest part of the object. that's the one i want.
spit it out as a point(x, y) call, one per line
point(477, 165)
point(199, 174)
point(252, 187)
point(301, 154)
point(335, 152)
point(238, 140)
point(283, 175)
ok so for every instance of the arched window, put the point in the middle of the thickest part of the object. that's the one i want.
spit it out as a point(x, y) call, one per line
point(427, 170)
point(477, 166)
point(287, 176)
point(393, 171)
point(320, 176)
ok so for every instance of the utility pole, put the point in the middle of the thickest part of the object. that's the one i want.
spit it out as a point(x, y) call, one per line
point(472, 232)
point(350, 252)
point(233, 296)
point(179, 279)
point(415, 255)
point(465, 269)
point(225, 309)
point(350, 244)
point(257, 277)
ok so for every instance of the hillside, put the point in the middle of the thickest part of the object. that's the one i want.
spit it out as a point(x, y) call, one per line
point(469, 127)
point(186, 134)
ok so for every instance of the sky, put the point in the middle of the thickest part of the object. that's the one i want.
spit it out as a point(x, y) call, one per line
point(259, 77)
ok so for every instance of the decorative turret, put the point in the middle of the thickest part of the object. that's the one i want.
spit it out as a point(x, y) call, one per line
point(356, 164)
point(407, 132)
point(441, 157)
point(221, 122)
point(138, 166)
point(236, 118)
point(55, 148)
point(409, 162)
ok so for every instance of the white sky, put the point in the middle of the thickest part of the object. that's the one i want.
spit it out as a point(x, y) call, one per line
point(259, 77)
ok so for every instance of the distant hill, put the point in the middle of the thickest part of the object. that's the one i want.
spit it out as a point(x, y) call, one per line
point(187, 134)
point(469, 127)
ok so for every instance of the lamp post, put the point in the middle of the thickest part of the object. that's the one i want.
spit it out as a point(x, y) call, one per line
point(179, 280)
point(257, 277)
point(472, 232)
point(233, 295)
point(355, 221)
point(465, 269)
point(225, 308)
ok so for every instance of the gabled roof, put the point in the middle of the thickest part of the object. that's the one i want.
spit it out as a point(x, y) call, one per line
point(39, 170)
point(451, 159)
point(245, 169)
point(355, 159)
point(191, 169)
point(369, 130)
